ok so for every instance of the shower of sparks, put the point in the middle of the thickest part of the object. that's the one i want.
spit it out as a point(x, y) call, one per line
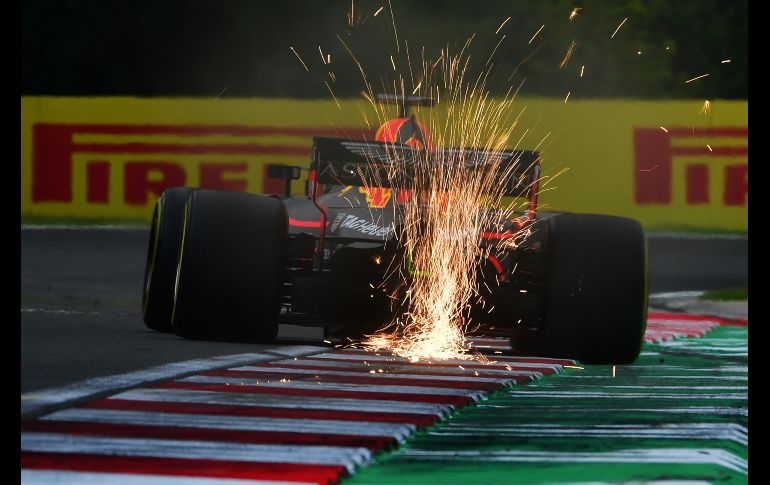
point(706, 109)
point(567, 56)
point(300, 59)
point(619, 26)
point(501, 25)
point(582, 68)
point(450, 207)
point(565, 99)
point(574, 13)
point(696, 78)
point(378, 11)
point(538, 31)
point(664, 129)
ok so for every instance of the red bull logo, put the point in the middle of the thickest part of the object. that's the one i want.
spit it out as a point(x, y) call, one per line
point(376, 197)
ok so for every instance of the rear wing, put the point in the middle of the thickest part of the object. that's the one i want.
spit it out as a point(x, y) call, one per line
point(338, 161)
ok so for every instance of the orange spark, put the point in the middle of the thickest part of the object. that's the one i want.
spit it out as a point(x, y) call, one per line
point(501, 25)
point(300, 59)
point(582, 68)
point(619, 26)
point(664, 129)
point(696, 78)
point(565, 101)
point(538, 31)
point(706, 109)
point(378, 11)
point(709, 147)
point(567, 56)
point(574, 13)
point(333, 96)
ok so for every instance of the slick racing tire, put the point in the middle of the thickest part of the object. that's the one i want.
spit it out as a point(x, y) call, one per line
point(162, 251)
point(230, 267)
point(596, 295)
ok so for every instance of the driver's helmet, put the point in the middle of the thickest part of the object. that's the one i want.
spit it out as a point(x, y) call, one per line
point(407, 131)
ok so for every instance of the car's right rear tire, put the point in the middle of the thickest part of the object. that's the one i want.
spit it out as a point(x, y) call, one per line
point(596, 298)
point(230, 267)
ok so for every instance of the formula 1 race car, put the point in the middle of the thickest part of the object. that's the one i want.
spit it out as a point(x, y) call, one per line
point(233, 265)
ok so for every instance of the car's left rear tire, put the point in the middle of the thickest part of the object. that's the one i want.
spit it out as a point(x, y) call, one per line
point(230, 268)
point(162, 252)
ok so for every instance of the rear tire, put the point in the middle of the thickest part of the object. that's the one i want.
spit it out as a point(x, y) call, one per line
point(230, 267)
point(596, 296)
point(160, 268)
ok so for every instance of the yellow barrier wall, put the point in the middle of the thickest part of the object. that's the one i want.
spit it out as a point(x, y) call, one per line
point(668, 164)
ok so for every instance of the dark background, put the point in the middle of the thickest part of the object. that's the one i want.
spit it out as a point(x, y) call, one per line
point(241, 47)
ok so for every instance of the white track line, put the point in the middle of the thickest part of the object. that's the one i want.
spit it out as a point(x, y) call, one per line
point(47, 477)
point(35, 402)
point(638, 408)
point(243, 423)
point(686, 431)
point(378, 375)
point(334, 386)
point(677, 294)
point(660, 455)
point(425, 370)
point(288, 402)
point(348, 457)
point(624, 395)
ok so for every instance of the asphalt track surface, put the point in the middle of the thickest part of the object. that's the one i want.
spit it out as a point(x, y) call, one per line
point(81, 295)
